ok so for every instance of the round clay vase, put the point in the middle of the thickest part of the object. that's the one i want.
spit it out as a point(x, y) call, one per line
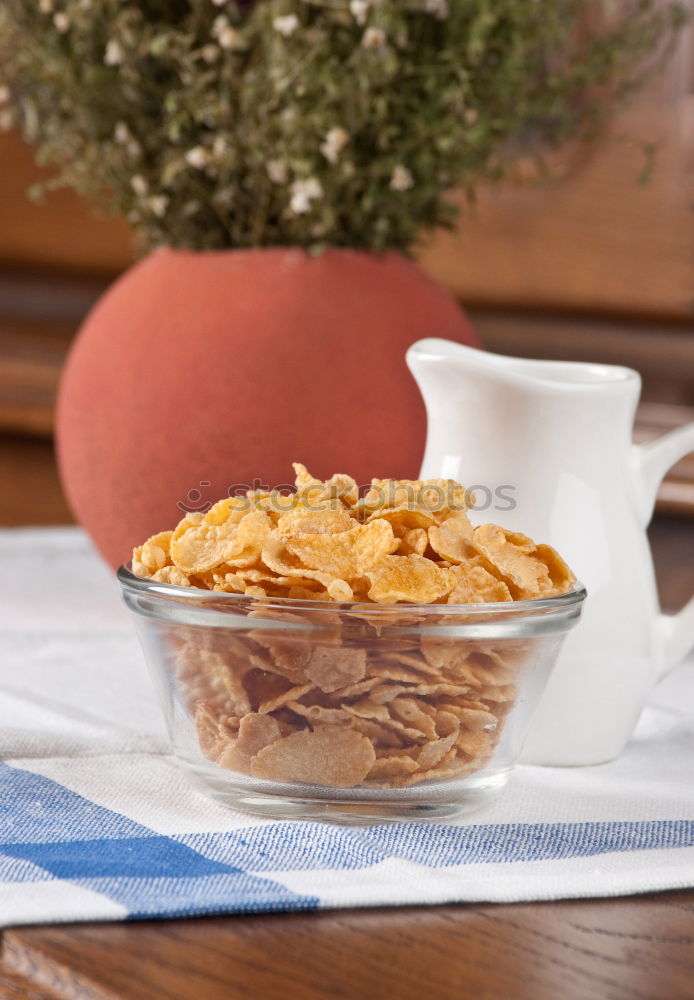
point(198, 373)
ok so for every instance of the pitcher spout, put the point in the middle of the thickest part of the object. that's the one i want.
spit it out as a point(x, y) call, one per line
point(436, 355)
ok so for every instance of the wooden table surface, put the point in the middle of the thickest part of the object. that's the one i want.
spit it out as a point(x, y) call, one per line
point(638, 948)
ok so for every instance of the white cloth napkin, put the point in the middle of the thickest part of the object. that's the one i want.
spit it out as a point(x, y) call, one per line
point(98, 823)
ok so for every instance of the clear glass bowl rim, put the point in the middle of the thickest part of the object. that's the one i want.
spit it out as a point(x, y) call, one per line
point(563, 608)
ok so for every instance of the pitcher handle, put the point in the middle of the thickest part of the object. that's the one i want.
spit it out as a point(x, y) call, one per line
point(675, 633)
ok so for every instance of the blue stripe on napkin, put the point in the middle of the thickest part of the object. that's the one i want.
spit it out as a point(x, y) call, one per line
point(314, 846)
point(34, 809)
point(45, 827)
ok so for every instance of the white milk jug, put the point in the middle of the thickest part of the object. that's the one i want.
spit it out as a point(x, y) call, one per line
point(547, 448)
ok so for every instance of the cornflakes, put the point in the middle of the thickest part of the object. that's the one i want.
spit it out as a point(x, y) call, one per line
point(361, 708)
point(255, 732)
point(332, 669)
point(205, 546)
point(173, 575)
point(518, 562)
point(327, 755)
point(451, 539)
point(408, 578)
point(153, 555)
point(347, 554)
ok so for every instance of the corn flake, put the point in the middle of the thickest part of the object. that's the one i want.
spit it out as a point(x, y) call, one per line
point(255, 732)
point(334, 756)
point(510, 554)
point(328, 520)
point(172, 575)
point(476, 585)
point(408, 578)
point(348, 554)
point(452, 538)
point(332, 669)
point(205, 546)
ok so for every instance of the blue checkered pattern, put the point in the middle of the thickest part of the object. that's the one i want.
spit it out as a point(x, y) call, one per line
point(49, 833)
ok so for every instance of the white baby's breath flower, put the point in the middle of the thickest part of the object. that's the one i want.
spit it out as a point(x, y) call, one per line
point(230, 39)
point(439, 8)
point(197, 157)
point(61, 22)
point(359, 9)
point(333, 144)
point(277, 171)
point(300, 203)
point(303, 194)
point(219, 3)
point(122, 134)
point(124, 137)
point(373, 38)
point(220, 24)
point(227, 36)
point(139, 185)
point(401, 179)
point(46, 6)
point(113, 56)
point(219, 147)
point(158, 204)
point(4, 94)
point(286, 25)
point(210, 53)
point(312, 187)
point(224, 197)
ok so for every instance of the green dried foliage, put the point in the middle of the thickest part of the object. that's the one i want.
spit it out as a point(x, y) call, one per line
point(211, 124)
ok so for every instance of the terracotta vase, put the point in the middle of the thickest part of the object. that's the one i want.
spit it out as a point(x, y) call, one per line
point(197, 373)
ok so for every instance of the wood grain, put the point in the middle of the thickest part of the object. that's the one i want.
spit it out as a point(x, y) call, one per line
point(623, 949)
point(672, 545)
point(30, 492)
point(17, 987)
point(31, 360)
point(59, 233)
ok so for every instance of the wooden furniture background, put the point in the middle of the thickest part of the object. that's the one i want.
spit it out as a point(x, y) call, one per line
point(623, 949)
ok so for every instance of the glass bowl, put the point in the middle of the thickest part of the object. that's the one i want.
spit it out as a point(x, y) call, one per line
point(347, 712)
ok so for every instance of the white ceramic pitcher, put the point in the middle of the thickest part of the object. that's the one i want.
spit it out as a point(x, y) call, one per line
point(548, 447)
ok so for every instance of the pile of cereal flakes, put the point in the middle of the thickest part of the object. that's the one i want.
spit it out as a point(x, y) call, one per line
point(339, 712)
